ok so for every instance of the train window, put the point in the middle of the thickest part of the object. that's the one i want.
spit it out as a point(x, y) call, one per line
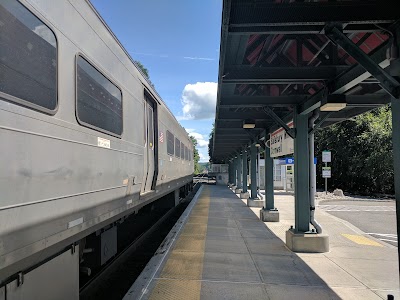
point(151, 127)
point(186, 153)
point(28, 65)
point(177, 148)
point(170, 143)
point(182, 151)
point(99, 101)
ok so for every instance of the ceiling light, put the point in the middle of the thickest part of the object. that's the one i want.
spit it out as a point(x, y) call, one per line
point(333, 103)
point(332, 106)
point(249, 124)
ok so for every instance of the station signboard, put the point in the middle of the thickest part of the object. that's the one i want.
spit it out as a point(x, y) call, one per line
point(281, 143)
point(326, 172)
point(290, 160)
point(326, 156)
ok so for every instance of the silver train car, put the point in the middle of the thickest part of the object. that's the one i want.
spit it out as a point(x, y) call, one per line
point(85, 140)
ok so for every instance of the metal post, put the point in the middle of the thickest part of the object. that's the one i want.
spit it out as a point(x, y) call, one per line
point(253, 171)
point(244, 162)
point(231, 172)
point(326, 182)
point(239, 172)
point(234, 169)
point(269, 178)
point(301, 173)
point(396, 159)
point(313, 179)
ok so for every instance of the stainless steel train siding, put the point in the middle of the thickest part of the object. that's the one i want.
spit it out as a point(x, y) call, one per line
point(62, 176)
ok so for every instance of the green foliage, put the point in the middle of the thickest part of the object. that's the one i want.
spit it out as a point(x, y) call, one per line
point(204, 167)
point(196, 156)
point(142, 68)
point(145, 71)
point(211, 139)
point(362, 153)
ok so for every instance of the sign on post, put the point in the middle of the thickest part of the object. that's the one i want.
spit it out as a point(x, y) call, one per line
point(326, 172)
point(281, 143)
point(326, 156)
point(290, 161)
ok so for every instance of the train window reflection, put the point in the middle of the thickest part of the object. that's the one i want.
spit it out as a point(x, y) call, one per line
point(170, 143)
point(177, 147)
point(28, 60)
point(99, 101)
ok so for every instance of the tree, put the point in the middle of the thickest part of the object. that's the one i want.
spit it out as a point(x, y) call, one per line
point(196, 156)
point(362, 153)
point(211, 140)
point(143, 69)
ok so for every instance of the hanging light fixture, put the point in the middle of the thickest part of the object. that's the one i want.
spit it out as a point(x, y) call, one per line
point(249, 124)
point(333, 103)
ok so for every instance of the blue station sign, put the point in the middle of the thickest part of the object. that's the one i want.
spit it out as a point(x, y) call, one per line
point(290, 160)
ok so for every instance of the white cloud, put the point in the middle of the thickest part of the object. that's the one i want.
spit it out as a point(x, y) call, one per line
point(199, 101)
point(198, 58)
point(173, 57)
point(46, 34)
point(203, 157)
point(201, 141)
point(202, 144)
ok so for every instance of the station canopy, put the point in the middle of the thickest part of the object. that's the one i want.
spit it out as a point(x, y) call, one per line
point(279, 56)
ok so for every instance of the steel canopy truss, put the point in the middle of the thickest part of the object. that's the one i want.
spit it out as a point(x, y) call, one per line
point(279, 57)
point(266, 17)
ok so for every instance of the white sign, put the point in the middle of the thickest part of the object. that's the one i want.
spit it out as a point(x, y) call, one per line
point(326, 172)
point(281, 143)
point(326, 156)
point(103, 142)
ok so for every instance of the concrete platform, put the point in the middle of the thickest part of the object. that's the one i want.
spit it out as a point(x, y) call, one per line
point(238, 190)
point(219, 249)
point(269, 215)
point(245, 195)
point(307, 242)
point(255, 202)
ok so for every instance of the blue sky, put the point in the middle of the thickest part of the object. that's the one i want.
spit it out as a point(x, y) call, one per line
point(178, 42)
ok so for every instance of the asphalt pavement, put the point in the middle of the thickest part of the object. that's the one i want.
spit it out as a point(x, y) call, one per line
point(376, 218)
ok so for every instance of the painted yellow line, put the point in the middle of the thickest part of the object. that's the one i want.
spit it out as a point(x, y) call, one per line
point(361, 240)
point(185, 262)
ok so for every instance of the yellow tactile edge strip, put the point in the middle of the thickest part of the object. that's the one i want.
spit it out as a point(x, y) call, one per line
point(140, 289)
point(361, 240)
point(185, 262)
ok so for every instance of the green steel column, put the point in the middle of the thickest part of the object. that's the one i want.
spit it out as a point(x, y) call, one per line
point(234, 167)
point(230, 172)
point(239, 172)
point(396, 159)
point(301, 173)
point(244, 162)
point(269, 177)
point(253, 171)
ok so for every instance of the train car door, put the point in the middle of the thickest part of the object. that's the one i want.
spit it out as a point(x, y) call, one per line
point(150, 145)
